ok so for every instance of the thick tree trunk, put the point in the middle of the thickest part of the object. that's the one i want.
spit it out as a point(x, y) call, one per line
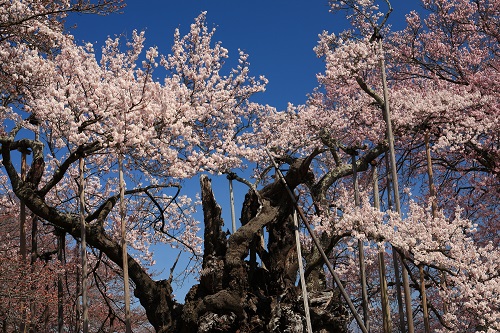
point(233, 295)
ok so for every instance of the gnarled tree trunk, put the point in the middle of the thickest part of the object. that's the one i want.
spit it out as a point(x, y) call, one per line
point(233, 295)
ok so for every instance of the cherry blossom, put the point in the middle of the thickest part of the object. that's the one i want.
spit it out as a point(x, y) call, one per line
point(62, 101)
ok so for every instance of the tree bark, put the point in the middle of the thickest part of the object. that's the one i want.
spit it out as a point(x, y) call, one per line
point(231, 295)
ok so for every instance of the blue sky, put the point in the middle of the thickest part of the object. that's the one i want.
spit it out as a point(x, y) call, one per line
point(278, 35)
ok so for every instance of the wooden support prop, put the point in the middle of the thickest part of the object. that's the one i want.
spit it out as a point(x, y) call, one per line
point(61, 246)
point(316, 242)
point(395, 258)
point(394, 173)
point(33, 258)
point(22, 214)
point(83, 245)
point(384, 294)
point(361, 248)
point(303, 283)
point(425, 311)
point(22, 235)
point(126, 283)
point(432, 192)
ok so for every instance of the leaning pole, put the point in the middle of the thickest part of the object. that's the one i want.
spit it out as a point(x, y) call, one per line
point(361, 249)
point(83, 244)
point(126, 283)
point(394, 174)
point(316, 242)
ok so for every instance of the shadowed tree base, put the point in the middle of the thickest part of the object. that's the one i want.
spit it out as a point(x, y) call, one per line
point(235, 295)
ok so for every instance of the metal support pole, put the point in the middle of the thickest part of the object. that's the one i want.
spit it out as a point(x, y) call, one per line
point(357, 317)
point(231, 201)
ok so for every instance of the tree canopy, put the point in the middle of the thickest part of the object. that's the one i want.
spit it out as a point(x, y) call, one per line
point(435, 83)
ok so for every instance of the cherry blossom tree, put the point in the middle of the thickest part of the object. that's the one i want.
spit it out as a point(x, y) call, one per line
point(434, 69)
point(431, 91)
point(63, 103)
point(81, 107)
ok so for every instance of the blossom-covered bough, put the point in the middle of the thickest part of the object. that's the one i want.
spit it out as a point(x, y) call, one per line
point(61, 103)
point(434, 69)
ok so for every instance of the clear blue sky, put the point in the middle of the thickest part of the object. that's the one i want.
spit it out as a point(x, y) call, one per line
point(279, 35)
